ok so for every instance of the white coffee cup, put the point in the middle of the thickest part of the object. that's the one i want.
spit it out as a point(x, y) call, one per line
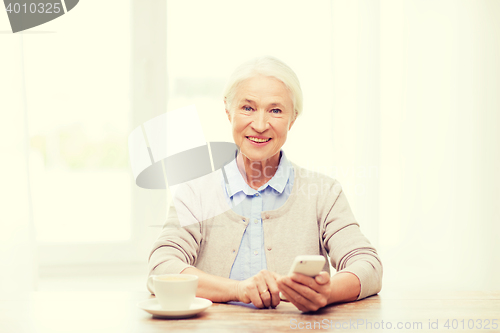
point(175, 291)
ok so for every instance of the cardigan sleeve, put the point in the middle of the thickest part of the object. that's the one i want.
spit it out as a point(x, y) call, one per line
point(349, 250)
point(176, 248)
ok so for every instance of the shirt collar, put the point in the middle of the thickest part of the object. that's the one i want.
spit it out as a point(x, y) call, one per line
point(238, 184)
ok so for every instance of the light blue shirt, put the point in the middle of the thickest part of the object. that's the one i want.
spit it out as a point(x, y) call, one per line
point(250, 203)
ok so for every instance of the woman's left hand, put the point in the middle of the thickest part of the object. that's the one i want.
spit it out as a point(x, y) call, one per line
point(306, 293)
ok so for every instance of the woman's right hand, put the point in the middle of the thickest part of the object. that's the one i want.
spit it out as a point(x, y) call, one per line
point(261, 290)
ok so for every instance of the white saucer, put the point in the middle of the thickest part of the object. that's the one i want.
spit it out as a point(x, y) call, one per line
point(153, 306)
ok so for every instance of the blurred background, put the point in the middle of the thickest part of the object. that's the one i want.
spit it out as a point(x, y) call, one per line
point(401, 105)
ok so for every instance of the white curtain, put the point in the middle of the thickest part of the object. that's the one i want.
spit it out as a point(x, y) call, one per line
point(17, 242)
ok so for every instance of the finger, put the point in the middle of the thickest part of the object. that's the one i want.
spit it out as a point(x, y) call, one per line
point(266, 299)
point(254, 295)
point(306, 281)
point(315, 298)
point(272, 286)
point(301, 290)
point(304, 294)
point(263, 290)
point(260, 283)
point(322, 278)
point(294, 298)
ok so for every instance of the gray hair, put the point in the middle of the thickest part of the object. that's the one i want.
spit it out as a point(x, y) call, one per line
point(267, 66)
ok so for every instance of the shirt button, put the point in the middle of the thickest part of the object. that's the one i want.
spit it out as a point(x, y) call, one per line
point(255, 252)
point(255, 221)
point(269, 249)
point(267, 216)
point(256, 195)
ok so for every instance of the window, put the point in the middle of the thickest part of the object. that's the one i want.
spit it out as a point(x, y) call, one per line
point(79, 115)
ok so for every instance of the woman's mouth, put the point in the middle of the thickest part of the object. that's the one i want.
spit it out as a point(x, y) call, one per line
point(259, 141)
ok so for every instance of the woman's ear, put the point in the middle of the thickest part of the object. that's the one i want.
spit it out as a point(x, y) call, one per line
point(292, 122)
point(227, 111)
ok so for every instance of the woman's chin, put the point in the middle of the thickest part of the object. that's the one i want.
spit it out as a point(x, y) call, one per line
point(257, 156)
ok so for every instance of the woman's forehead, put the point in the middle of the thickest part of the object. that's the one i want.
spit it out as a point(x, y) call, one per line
point(263, 88)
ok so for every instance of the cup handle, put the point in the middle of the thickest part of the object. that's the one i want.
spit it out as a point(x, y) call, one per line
point(151, 285)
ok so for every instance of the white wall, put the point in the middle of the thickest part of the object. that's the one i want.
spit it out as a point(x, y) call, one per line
point(440, 144)
point(18, 271)
point(355, 123)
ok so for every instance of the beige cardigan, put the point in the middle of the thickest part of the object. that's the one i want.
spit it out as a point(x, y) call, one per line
point(315, 219)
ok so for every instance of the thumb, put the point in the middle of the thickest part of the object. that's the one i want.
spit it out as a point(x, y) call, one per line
point(322, 277)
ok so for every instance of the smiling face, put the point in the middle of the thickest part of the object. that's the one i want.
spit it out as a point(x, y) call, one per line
point(261, 114)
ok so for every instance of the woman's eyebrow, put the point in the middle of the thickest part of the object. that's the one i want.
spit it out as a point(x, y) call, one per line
point(277, 104)
point(249, 101)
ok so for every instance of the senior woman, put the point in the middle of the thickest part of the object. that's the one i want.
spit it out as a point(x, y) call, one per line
point(243, 225)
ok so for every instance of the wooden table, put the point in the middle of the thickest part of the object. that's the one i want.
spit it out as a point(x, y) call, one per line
point(118, 312)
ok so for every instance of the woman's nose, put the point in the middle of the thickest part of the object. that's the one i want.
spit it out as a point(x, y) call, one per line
point(259, 123)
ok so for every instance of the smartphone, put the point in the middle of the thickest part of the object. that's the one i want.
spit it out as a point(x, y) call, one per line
point(310, 265)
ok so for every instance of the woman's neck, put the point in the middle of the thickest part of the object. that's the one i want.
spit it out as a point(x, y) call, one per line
point(257, 173)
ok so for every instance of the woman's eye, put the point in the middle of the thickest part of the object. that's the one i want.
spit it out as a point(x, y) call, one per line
point(247, 108)
point(276, 111)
